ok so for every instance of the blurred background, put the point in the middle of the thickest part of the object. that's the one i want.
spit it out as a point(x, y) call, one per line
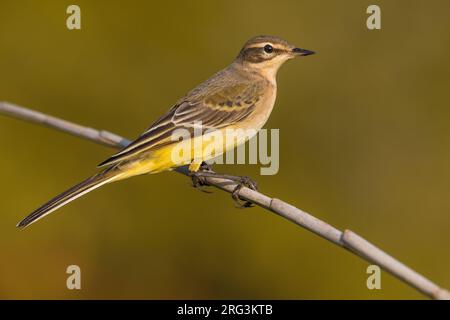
point(364, 145)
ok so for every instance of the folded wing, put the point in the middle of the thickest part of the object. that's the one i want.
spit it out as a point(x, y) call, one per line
point(216, 110)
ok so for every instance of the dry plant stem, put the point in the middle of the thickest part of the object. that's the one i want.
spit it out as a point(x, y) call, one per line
point(347, 239)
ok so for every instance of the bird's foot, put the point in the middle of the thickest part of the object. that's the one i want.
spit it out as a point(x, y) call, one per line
point(199, 180)
point(243, 182)
point(198, 177)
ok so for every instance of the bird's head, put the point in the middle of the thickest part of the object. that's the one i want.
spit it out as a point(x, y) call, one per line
point(268, 53)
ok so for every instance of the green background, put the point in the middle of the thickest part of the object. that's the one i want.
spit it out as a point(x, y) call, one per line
point(364, 130)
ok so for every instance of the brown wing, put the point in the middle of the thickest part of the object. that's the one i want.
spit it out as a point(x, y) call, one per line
point(221, 108)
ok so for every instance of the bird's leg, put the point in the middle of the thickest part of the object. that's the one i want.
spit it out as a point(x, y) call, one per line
point(198, 179)
point(204, 166)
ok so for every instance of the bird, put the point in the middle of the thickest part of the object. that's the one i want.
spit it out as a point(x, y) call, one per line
point(240, 96)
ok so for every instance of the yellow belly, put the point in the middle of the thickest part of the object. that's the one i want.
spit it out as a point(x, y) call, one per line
point(186, 152)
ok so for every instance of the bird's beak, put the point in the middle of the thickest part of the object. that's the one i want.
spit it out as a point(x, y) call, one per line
point(302, 52)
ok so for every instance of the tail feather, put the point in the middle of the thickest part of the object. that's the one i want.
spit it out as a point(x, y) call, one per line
point(69, 195)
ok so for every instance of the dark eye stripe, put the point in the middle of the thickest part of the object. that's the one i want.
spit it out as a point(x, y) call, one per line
point(257, 54)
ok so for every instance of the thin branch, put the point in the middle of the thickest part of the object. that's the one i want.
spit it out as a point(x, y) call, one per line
point(347, 239)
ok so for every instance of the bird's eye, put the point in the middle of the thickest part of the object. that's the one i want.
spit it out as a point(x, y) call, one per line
point(268, 48)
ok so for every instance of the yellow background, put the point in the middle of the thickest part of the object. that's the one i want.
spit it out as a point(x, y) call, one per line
point(364, 130)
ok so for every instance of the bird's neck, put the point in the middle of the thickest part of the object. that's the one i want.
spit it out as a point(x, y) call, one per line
point(269, 74)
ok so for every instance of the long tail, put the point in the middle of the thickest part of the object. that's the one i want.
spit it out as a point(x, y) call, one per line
point(73, 193)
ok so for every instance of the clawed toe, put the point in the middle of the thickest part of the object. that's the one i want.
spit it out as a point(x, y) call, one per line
point(199, 177)
point(199, 181)
point(244, 182)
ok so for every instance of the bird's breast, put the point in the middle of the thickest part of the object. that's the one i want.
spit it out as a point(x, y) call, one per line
point(263, 109)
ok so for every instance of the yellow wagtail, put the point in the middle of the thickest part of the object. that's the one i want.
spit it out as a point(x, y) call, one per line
point(240, 96)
